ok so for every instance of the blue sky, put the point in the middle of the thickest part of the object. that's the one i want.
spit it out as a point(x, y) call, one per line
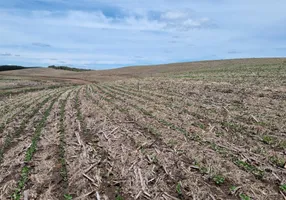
point(102, 34)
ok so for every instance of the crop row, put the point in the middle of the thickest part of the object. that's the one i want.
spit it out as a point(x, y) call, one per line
point(23, 107)
point(156, 133)
point(63, 170)
point(79, 114)
point(236, 128)
point(220, 149)
point(16, 133)
point(149, 152)
point(31, 150)
point(9, 93)
point(20, 100)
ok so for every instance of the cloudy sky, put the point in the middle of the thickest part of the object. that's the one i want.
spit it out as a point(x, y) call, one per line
point(103, 34)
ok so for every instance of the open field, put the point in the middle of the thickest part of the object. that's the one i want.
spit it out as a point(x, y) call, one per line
point(209, 130)
point(98, 76)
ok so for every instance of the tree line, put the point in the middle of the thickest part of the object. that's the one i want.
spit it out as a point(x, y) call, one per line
point(68, 68)
point(18, 67)
point(11, 67)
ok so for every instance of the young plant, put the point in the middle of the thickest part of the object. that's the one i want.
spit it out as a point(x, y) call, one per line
point(232, 188)
point(244, 197)
point(218, 179)
point(279, 162)
point(204, 170)
point(248, 167)
point(179, 188)
point(267, 139)
point(282, 144)
point(283, 188)
point(68, 197)
point(118, 197)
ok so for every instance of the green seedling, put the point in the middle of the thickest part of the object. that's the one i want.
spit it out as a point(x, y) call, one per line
point(257, 172)
point(282, 145)
point(218, 179)
point(244, 197)
point(204, 170)
point(119, 197)
point(267, 139)
point(279, 162)
point(232, 188)
point(202, 126)
point(283, 188)
point(68, 197)
point(179, 188)
point(218, 149)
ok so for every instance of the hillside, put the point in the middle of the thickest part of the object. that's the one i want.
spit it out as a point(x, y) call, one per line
point(144, 71)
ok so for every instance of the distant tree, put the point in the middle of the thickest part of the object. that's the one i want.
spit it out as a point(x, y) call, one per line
point(67, 68)
point(13, 67)
point(10, 67)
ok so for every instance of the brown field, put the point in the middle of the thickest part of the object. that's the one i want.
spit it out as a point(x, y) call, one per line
point(204, 130)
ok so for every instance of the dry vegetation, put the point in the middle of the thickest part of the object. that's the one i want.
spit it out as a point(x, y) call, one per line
point(214, 132)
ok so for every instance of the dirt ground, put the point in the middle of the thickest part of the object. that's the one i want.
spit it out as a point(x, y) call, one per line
point(214, 132)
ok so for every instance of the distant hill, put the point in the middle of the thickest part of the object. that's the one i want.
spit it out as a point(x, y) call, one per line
point(142, 71)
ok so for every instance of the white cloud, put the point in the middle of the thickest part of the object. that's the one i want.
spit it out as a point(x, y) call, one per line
point(91, 17)
point(167, 21)
point(184, 20)
point(175, 15)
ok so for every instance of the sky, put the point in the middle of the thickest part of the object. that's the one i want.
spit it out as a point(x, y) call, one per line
point(104, 34)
